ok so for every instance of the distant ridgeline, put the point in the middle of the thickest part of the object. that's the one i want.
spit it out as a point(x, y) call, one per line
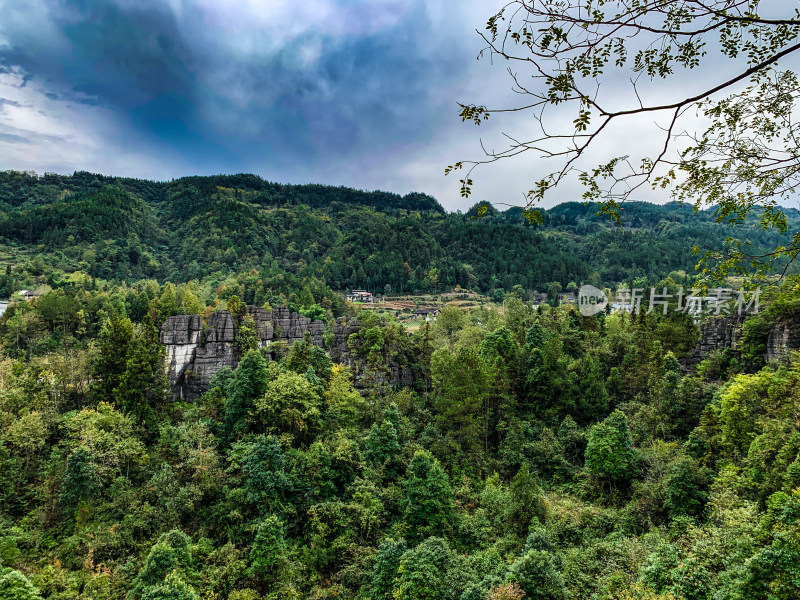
point(18, 188)
point(340, 238)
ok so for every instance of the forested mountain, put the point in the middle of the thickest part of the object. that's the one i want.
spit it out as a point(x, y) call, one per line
point(531, 453)
point(124, 229)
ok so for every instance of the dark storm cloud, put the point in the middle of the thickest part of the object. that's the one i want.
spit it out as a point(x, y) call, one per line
point(347, 92)
point(183, 87)
point(119, 56)
point(14, 139)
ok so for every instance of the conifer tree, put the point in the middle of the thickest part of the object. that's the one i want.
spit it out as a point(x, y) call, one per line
point(114, 349)
point(526, 500)
point(381, 443)
point(429, 498)
point(144, 382)
point(81, 482)
point(423, 571)
point(609, 452)
point(536, 336)
point(249, 381)
point(263, 467)
point(384, 571)
point(268, 548)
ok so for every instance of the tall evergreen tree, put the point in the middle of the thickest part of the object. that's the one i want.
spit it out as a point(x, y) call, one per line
point(384, 570)
point(268, 548)
point(609, 452)
point(144, 382)
point(115, 343)
point(249, 382)
point(429, 498)
point(423, 571)
point(526, 500)
point(81, 482)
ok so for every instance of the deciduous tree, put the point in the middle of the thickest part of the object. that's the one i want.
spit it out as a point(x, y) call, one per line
point(569, 57)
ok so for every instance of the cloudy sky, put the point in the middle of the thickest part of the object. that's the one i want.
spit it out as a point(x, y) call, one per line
point(360, 93)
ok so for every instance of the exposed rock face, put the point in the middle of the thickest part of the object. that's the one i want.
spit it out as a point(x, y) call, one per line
point(292, 327)
point(317, 331)
point(784, 337)
point(193, 358)
point(181, 337)
point(726, 332)
point(401, 375)
point(341, 353)
point(217, 351)
point(719, 333)
point(342, 330)
point(263, 321)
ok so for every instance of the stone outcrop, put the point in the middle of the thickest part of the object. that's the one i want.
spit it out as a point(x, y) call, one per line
point(181, 336)
point(784, 337)
point(340, 352)
point(218, 350)
point(726, 332)
point(194, 356)
point(342, 330)
point(265, 326)
point(719, 333)
point(195, 353)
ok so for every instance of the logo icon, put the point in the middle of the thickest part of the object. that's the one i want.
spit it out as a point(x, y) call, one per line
point(591, 300)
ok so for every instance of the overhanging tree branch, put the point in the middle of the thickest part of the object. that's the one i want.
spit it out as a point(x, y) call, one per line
point(745, 156)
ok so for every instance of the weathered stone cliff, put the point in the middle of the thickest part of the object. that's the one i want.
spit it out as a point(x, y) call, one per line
point(193, 357)
point(784, 337)
point(181, 336)
point(342, 330)
point(726, 332)
point(340, 352)
point(194, 354)
point(719, 333)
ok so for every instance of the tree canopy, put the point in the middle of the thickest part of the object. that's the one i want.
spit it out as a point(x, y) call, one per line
point(726, 138)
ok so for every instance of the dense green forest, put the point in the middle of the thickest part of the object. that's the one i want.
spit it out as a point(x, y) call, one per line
point(536, 454)
point(205, 228)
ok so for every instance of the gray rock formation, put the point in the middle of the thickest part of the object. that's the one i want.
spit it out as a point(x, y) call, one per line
point(719, 333)
point(193, 358)
point(342, 330)
point(341, 353)
point(784, 337)
point(217, 350)
point(264, 323)
point(181, 337)
point(726, 332)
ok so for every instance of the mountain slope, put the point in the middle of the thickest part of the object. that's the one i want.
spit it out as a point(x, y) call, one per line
point(190, 228)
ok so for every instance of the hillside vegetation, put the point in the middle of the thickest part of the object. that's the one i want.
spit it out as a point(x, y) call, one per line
point(122, 229)
point(536, 453)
